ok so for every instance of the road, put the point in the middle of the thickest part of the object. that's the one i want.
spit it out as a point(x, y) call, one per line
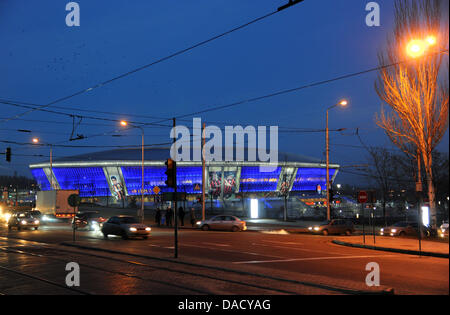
point(213, 262)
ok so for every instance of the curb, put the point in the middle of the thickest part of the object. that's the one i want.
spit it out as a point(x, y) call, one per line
point(387, 291)
point(394, 250)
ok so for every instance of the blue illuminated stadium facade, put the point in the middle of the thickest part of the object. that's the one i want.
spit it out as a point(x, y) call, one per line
point(108, 175)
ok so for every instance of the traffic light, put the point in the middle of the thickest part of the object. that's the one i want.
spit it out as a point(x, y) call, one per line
point(371, 196)
point(171, 173)
point(8, 154)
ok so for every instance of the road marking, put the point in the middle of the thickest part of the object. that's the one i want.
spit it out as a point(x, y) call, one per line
point(287, 243)
point(307, 259)
point(235, 251)
point(301, 249)
point(216, 244)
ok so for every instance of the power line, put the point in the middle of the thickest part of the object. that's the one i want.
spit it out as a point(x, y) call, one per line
point(80, 116)
point(83, 146)
point(80, 110)
point(286, 91)
point(291, 3)
point(375, 177)
point(314, 84)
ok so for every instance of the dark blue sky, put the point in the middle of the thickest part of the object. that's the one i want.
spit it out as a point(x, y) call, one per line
point(41, 60)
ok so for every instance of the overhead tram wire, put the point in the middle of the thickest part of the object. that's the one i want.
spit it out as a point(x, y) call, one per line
point(157, 124)
point(84, 146)
point(286, 91)
point(291, 3)
point(15, 102)
point(314, 84)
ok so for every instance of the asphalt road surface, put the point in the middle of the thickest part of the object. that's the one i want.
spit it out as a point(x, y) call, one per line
point(248, 263)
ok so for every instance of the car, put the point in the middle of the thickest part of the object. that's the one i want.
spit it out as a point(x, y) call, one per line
point(404, 228)
point(36, 214)
point(223, 222)
point(23, 220)
point(89, 219)
point(335, 226)
point(125, 226)
point(443, 230)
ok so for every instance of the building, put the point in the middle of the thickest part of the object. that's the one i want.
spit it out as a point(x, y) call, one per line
point(113, 178)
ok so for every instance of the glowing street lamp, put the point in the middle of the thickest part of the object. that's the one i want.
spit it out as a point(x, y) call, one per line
point(124, 123)
point(431, 40)
point(418, 47)
point(342, 103)
point(36, 140)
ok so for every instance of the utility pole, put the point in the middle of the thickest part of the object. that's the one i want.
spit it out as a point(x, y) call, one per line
point(328, 171)
point(285, 198)
point(419, 201)
point(51, 167)
point(342, 103)
point(203, 172)
point(175, 212)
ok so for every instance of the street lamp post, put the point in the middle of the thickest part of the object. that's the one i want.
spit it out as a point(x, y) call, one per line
point(36, 141)
point(341, 103)
point(141, 211)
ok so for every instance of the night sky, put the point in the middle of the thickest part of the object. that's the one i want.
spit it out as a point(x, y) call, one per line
point(42, 59)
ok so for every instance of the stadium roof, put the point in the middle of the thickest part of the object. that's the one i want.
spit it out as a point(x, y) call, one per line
point(157, 155)
point(161, 154)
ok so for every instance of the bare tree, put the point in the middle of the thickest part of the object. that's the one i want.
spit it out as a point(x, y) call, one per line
point(414, 91)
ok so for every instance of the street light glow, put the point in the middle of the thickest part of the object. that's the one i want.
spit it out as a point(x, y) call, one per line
point(343, 103)
point(431, 40)
point(124, 123)
point(415, 48)
point(35, 140)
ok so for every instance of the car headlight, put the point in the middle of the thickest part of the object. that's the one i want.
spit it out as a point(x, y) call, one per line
point(148, 229)
point(310, 228)
point(382, 230)
point(133, 229)
point(36, 222)
point(316, 228)
point(199, 222)
point(23, 222)
point(394, 230)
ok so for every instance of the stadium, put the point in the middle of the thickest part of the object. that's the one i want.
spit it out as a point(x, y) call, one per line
point(113, 178)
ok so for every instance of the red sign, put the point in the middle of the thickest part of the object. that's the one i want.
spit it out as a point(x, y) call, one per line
point(362, 197)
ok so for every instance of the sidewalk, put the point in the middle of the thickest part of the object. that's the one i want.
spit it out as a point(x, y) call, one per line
point(397, 244)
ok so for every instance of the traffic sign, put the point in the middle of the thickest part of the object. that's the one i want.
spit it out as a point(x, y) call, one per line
point(156, 190)
point(362, 196)
point(74, 200)
point(197, 187)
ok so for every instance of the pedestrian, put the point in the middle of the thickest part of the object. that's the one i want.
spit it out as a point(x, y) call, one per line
point(193, 217)
point(181, 215)
point(169, 217)
point(158, 217)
